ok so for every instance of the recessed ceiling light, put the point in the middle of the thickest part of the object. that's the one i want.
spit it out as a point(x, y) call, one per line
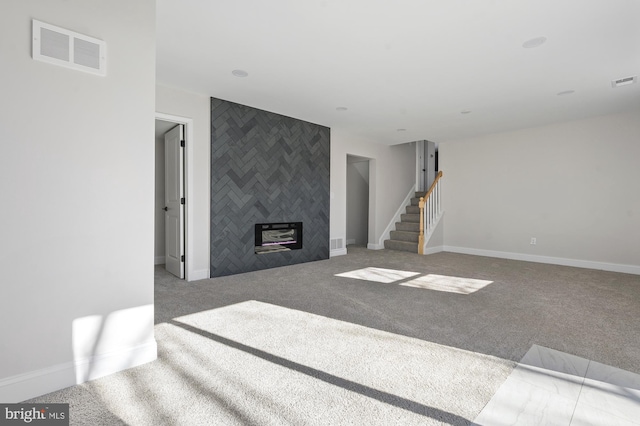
point(240, 73)
point(341, 108)
point(466, 111)
point(566, 92)
point(534, 42)
point(401, 130)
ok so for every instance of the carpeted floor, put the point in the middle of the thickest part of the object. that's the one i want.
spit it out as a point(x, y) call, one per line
point(300, 345)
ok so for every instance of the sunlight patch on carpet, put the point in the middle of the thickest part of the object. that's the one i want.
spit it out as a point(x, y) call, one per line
point(378, 275)
point(447, 283)
point(307, 363)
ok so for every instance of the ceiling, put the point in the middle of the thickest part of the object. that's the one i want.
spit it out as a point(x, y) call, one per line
point(163, 127)
point(406, 70)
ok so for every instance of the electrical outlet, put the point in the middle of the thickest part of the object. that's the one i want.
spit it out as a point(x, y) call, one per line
point(533, 241)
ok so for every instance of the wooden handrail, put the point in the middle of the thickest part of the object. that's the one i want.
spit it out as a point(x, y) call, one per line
point(433, 185)
point(421, 205)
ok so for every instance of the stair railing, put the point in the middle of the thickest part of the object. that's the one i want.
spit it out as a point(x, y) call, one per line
point(430, 209)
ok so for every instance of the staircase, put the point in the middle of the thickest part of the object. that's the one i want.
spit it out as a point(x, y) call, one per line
point(419, 222)
point(405, 237)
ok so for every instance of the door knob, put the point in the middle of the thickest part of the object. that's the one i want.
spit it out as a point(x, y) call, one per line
point(166, 208)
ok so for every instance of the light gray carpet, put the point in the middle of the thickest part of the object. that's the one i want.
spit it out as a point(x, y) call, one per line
point(299, 345)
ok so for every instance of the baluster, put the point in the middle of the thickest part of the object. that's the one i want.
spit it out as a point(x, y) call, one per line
point(430, 212)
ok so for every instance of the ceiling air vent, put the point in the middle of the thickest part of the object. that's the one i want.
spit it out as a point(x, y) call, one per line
point(624, 81)
point(69, 49)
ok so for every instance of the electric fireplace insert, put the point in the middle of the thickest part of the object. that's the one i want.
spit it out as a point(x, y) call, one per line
point(277, 237)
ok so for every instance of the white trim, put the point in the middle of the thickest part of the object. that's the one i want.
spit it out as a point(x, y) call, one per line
point(434, 250)
point(39, 382)
point(612, 267)
point(35, 383)
point(189, 271)
point(419, 164)
point(159, 260)
point(200, 274)
point(104, 364)
point(396, 218)
point(338, 252)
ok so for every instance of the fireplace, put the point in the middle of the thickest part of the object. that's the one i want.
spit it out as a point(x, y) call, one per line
point(277, 237)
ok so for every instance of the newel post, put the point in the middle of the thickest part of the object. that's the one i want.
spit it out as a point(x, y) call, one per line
point(421, 236)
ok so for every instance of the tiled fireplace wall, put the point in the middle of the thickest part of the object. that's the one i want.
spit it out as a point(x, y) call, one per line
point(265, 167)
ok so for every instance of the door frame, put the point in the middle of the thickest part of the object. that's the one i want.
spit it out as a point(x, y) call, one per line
point(371, 196)
point(425, 168)
point(188, 188)
point(421, 166)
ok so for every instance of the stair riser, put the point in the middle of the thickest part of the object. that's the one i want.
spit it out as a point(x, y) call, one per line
point(413, 218)
point(411, 227)
point(401, 246)
point(415, 201)
point(405, 236)
point(413, 210)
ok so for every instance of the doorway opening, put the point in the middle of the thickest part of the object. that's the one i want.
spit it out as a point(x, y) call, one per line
point(170, 225)
point(358, 186)
point(426, 164)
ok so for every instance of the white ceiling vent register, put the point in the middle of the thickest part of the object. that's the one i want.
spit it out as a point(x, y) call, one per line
point(624, 81)
point(69, 49)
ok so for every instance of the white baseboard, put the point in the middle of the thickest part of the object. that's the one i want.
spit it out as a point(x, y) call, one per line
point(35, 383)
point(433, 250)
point(338, 252)
point(109, 363)
point(159, 260)
point(200, 274)
point(612, 267)
point(39, 382)
point(376, 246)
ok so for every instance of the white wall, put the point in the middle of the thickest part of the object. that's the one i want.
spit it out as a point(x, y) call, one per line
point(575, 186)
point(76, 176)
point(196, 107)
point(159, 224)
point(391, 176)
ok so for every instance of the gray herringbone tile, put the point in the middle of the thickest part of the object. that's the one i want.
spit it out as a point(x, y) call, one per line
point(265, 167)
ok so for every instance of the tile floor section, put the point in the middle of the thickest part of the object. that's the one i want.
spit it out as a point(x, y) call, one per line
point(555, 388)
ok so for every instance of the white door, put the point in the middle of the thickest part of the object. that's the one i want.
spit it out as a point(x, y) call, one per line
point(174, 200)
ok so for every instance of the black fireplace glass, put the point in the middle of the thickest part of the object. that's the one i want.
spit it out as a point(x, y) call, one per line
point(278, 237)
